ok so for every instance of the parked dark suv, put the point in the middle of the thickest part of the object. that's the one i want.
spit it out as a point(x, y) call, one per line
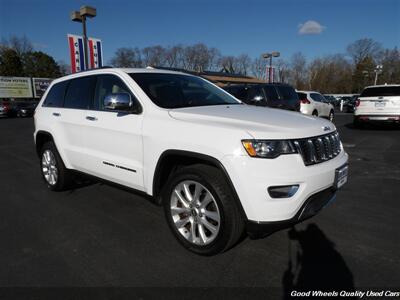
point(275, 95)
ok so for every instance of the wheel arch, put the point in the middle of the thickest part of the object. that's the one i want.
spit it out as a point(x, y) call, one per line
point(41, 138)
point(171, 160)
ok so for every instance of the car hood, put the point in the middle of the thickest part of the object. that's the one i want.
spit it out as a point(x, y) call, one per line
point(259, 122)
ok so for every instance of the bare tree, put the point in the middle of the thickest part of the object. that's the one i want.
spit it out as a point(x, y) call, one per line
point(283, 68)
point(153, 56)
point(258, 67)
point(127, 58)
point(243, 64)
point(299, 74)
point(174, 56)
point(361, 49)
point(21, 45)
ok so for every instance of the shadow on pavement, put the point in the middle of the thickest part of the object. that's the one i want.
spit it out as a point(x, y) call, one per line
point(314, 263)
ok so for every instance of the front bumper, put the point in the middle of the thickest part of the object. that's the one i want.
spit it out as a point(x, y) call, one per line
point(251, 178)
point(310, 208)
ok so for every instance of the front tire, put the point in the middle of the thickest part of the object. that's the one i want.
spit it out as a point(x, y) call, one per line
point(201, 210)
point(56, 176)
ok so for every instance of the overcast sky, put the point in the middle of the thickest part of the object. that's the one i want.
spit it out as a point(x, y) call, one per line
point(315, 27)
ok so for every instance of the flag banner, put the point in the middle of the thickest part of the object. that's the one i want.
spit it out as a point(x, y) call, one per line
point(270, 74)
point(95, 53)
point(76, 51)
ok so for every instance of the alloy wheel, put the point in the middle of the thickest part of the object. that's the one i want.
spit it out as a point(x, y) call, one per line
point(195, 212)
point(49, 167)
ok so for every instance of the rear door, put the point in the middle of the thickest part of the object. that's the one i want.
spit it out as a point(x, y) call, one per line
point(113, 140)
point(272, 96)
point(288, 98)
point(318, 105)
point(380, 100)
point(256, 96)
point(71, 118)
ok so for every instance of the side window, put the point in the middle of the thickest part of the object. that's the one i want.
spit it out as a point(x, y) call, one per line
point(256, 96)
point(111, 84)
point(271, 93)
point(315, 97)
point(80, 92)
point(55, 97)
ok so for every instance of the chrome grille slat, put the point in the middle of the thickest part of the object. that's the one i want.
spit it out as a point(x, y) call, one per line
point(318, 149)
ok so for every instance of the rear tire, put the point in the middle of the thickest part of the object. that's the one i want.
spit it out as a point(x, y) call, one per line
point(315, 113)
point(190, 221)
point(357, 123)
point(56, 176)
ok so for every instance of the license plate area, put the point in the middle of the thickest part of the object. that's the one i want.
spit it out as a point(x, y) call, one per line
point(380, 104)
point(341, 175)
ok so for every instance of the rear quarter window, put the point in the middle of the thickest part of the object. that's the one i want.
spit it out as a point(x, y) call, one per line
point(55, 96)
point(381, 91)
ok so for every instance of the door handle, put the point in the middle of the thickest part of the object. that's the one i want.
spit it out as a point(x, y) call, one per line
point(90, 118)
point(56, 114)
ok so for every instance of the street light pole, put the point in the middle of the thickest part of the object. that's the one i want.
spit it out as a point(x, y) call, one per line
point(85, 42)
point(270, 55)
point(80, 16)
point(378, 70)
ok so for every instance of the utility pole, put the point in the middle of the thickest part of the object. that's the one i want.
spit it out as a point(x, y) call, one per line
point(81, 16)
point(270, 55)
point(378, 70)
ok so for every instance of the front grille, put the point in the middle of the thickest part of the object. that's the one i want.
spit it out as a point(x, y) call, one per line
point(318, 149)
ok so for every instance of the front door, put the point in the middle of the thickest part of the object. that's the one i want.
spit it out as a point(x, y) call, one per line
point(114, 146)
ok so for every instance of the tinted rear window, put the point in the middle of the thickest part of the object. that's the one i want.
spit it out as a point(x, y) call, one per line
point(287, 93)
point(238, 92)
point(80, 93)
point(302, 95)
point(55, 97)
point(381, 91)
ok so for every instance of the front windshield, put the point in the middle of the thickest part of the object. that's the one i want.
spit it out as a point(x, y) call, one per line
point(176, 90)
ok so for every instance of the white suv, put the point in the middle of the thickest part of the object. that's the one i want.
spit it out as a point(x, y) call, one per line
point(379, 103)
point(216, 165)
point(315, 104)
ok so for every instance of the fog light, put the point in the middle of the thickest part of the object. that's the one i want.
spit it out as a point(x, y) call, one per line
point(283, 191)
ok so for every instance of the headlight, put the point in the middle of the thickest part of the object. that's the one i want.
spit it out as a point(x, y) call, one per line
point(268, 149)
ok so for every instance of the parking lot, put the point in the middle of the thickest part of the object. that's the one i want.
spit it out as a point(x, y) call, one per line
point(99, 235)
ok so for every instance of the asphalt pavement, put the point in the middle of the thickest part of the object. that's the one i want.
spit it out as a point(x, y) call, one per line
point(100, 236)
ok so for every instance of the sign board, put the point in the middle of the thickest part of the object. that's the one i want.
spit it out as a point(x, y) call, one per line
point(15, 87)
point(77, 54)
point(40, 86)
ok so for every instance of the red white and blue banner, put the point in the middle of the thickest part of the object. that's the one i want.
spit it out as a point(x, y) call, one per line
point(95, 53)
point(270, 74)
point(77, 53)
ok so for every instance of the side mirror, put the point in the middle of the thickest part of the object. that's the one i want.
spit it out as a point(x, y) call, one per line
point(118, 102)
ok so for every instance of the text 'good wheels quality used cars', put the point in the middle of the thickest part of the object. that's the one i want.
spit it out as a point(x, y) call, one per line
point(219, 168)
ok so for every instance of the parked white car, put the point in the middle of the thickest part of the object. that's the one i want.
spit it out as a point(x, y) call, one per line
point(315, 104)
point(379, 103)
point(217, 166)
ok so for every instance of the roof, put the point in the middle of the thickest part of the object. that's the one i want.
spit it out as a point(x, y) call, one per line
point(382, 85)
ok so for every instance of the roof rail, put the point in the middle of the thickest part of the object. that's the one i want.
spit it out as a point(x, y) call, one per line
point(103, 67)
